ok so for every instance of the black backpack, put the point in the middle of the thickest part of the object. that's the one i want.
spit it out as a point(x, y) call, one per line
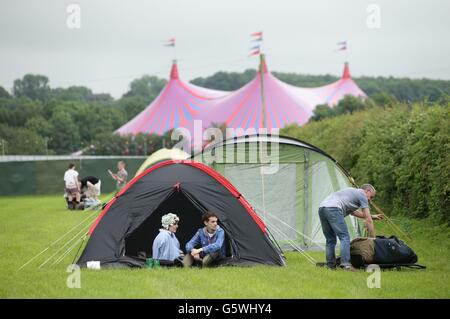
point(389, 253)
point(393, 251)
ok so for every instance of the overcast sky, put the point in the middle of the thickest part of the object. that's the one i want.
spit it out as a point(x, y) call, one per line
point(119, 41)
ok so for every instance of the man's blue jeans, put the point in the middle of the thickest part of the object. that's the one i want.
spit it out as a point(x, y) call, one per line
point(333, 224)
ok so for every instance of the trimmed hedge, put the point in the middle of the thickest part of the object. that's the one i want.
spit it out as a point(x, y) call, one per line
point(404, 151)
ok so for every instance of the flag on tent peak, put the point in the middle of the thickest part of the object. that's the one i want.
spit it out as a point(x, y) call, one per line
point(257, 36)
point(342, 46)
point(256, 47)
point(255, 52)
point(170, 42)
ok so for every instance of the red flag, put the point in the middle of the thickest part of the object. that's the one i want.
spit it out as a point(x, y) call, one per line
point(343, 46)
point(256, 52)
point(256, 47)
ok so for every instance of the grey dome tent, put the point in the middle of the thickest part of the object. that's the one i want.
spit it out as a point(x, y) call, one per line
point(131, 220)
point(286, 194)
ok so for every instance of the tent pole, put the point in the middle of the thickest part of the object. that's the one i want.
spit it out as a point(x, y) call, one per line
point(273, 238)
point(262, 70)
point(390, 222)
point(306, 192)
point(264, 123)
point(263, 189)
point(379, 211)
point(79, 248)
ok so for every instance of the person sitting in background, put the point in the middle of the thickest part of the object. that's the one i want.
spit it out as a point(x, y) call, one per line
point(90, 185)
point(72, 187)
point(90, 188)
point(210, 240)
point(121, 176)
point(166, 247)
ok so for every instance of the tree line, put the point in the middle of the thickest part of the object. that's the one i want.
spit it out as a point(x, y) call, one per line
point(402, 89)
point(402, 149)
point(38, 119)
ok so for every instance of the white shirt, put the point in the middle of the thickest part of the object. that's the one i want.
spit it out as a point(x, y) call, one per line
point(70, 176)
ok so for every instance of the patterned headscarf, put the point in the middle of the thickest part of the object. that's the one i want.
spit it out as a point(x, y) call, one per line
point(169, 219)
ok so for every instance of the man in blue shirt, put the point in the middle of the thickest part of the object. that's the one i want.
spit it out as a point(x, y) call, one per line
point(209, 240)
point(332, 211)
point(166, 247)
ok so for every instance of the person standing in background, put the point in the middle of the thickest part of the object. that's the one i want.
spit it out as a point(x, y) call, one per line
point(72, 187)
point(121, 176)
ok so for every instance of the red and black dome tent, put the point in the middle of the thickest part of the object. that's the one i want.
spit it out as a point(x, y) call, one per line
point(131, 220)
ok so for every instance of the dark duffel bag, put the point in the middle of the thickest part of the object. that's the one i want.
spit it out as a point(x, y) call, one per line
point(393, 251)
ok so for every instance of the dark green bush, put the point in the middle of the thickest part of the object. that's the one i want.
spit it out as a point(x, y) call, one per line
point(403, 151)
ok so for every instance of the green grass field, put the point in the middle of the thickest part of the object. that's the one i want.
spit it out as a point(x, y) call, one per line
point(31, 223)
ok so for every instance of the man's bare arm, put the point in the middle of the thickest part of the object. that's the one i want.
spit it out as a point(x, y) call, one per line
point(365, 214)
point(369, 222)
point(359, 214)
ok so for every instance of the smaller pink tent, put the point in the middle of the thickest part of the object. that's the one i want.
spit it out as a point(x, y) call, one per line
point(332, 93)
point(177, 104)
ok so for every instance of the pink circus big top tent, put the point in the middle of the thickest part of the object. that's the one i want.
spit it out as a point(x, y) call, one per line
point(177, 104)
point(264, 102)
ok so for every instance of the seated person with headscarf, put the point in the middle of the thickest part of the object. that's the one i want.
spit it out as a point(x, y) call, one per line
point(166, 247)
